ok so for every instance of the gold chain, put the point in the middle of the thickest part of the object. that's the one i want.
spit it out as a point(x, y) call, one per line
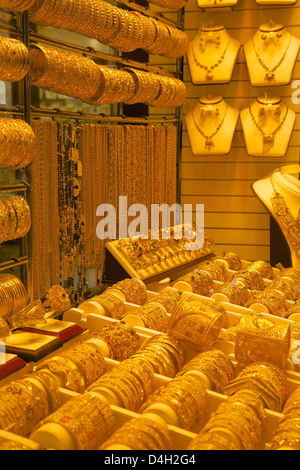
point(209, 142)
point(270, 75)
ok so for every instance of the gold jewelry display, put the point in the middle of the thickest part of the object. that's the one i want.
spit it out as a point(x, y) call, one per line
point(164, 353)
point(270, 75)
point(66, 370)
point(236, 291)
point(267, 380)
point(121, 339)
point(262, 339)
point(215, 364)
point(186, 396)
point(111, 25)
point(17, 141)
point(264, 268)
point(217, 271)
point(64, 72)
point(268, 138)
point(285, 285)
point(153, 316)
point(199, 282)
point(252, 279)
point(140, 434)
point(238, 423)
point(209, 143)
point(209, 68)
point(17, 5)
point(134, 290)
point(14, 60)
point(196, 322)
point(168, 300)
point(87, 418)
point(13, 295)
point(232, 259)
point(274, 300)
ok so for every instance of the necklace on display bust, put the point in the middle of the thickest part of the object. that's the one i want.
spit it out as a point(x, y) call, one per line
point(210, 33)
point(209, 143)
point(289, 224)
point(278, 33)
point(268, 137)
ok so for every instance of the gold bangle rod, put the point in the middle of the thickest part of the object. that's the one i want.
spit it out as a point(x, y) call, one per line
point(14, 188)
point(146, 11)
point(13, 263)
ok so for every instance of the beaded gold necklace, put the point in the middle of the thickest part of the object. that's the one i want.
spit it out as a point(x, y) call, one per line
point(209, 68)
point(270, 75)
point(209, 143)
point(268, 138)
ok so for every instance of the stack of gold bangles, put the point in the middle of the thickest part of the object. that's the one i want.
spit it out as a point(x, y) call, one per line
point(252, 278)
point(286, 435)
point(112, 305)
point(217, 271)
point(215, 365)
point(267, 380)
point(116, 27)
point(274, 301)
point(13, 295)
point(152, 315)
point(80, 77)
point(14, 60)
point(231, 261)
point(238, 423)
point(25, 402)
point(17, 5)
point(87, 418)
point(259, 338)
point(121, 339)
point(15, 218)
point(236, 291)
point(130, 384)
point(186, 397)
point(133, 290)
point(76, 368)
point(197, 323)
point(140, 434)
point(168, 300)
point(164, 353)
point(17, 141)
point(196, 282)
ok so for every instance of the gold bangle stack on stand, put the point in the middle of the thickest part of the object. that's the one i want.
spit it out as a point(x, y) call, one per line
point(286, 435)
point(17, 141)
point(14, 60)
point(80, 77)
point(17, 5)
point(113, 26)
point(13, 295)
point(25, 402)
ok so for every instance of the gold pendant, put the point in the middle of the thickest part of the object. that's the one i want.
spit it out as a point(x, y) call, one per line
point(270, 76)
point(209, 76)
point(209, 144)
point(268, 139)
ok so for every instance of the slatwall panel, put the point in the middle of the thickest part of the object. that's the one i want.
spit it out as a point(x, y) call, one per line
point(234, 217)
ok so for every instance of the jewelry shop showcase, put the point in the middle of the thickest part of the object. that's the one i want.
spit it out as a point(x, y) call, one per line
point(149, 225)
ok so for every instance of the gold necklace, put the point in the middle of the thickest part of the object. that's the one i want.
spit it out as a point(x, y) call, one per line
point(209, 75)
point(268, 138)
point(270, 75)
point(289, 224)
point(209, 144)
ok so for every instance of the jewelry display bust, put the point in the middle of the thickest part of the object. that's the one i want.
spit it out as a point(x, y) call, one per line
point(211, 126)
point(212, 55)
point(280, 194)
point(267, 125)
point(271, 55)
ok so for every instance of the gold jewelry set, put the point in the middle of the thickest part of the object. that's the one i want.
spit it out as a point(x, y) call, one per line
point(268, 138)
point(270, 75)
point(153, 316)
point(113, 26)
point(15, 218)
